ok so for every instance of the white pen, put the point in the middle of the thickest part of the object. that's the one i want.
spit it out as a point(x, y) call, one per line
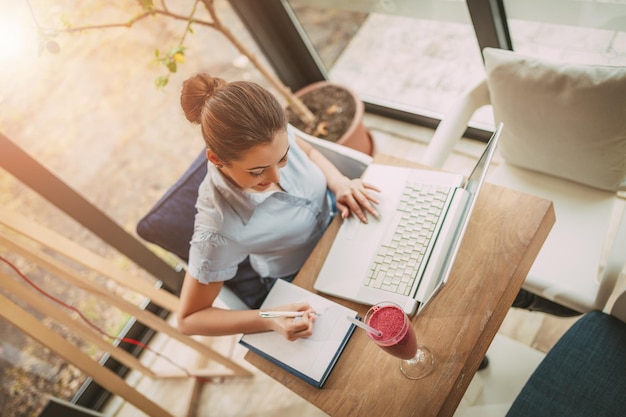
point(290, 314)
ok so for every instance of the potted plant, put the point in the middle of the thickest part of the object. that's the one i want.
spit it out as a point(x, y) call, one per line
point(337, 114)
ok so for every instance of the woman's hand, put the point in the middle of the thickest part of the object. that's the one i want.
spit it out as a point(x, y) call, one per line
point(351, 195)
point(294, 328)
point(355, 196)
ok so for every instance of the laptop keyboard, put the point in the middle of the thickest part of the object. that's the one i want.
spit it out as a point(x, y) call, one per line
point(401, 255)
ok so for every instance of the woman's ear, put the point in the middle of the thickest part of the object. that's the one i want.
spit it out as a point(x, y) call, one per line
point(212, 157)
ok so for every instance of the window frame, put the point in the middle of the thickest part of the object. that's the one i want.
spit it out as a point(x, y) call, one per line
point(276, 31)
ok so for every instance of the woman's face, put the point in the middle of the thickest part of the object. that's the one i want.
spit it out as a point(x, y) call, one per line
point(259, 167)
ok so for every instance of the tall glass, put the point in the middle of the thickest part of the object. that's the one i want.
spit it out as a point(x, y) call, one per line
point(398, 339)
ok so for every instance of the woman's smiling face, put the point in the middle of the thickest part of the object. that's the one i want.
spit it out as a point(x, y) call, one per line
point(259, 167)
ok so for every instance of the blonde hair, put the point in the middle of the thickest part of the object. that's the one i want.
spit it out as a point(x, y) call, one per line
point(234, 117)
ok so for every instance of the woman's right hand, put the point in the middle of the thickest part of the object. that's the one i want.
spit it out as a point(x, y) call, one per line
point(294, 328)
point(198, 316)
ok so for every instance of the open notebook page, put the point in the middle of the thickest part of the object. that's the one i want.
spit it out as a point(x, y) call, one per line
point(312, 358)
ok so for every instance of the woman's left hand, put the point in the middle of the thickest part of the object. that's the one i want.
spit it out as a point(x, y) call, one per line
point(355, 196)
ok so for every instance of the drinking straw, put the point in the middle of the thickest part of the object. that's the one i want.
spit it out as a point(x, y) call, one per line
point(364, 326)
point(289, 314)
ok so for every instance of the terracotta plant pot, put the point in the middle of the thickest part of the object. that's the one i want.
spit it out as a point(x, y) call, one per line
point(355, 134)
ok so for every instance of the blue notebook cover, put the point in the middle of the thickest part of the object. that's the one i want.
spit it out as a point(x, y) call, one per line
point(313, 358)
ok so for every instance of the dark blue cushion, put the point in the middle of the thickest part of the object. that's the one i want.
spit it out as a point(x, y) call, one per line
point(169, 223)
point(584, 374)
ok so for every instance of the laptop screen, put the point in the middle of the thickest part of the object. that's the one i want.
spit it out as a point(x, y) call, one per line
point(477, 177)
point(472, 186)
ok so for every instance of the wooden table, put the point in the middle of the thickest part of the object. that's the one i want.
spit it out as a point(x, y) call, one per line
point(502, 240)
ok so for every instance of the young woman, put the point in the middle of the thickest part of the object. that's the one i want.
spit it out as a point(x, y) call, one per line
point(266, 200)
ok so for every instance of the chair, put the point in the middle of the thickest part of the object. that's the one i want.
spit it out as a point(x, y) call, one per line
point(584, 373)
point(169, 223)
point(564, 139)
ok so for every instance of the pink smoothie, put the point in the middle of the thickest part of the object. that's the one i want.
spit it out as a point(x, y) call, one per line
point(398, 337)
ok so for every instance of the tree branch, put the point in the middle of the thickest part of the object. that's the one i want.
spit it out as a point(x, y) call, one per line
point(136, 19)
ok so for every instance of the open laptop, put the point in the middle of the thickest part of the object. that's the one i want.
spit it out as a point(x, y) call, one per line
point(405, 255)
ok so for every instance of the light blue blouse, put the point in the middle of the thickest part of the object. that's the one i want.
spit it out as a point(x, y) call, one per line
point(277, 229)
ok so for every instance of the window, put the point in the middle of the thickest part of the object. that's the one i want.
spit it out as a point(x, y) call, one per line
point(415, 56)
point(588, 32)
point(408, 60)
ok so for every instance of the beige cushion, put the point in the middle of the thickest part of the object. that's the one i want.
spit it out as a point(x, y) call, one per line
point(565, 120)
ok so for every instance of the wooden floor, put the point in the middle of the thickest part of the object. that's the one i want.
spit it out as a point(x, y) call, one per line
point(262, 396)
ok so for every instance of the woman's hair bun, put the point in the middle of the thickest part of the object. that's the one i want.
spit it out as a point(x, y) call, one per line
point(195, 92)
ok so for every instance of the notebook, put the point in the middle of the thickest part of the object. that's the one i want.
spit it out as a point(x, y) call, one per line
point(405, 255)
point(313, 358)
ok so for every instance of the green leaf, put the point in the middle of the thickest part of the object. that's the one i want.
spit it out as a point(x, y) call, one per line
point(171, 65)
point(161, 81)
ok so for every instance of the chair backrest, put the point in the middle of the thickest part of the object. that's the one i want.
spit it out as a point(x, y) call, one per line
point(169, 223)
point(349, 161)
point(583, 374)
